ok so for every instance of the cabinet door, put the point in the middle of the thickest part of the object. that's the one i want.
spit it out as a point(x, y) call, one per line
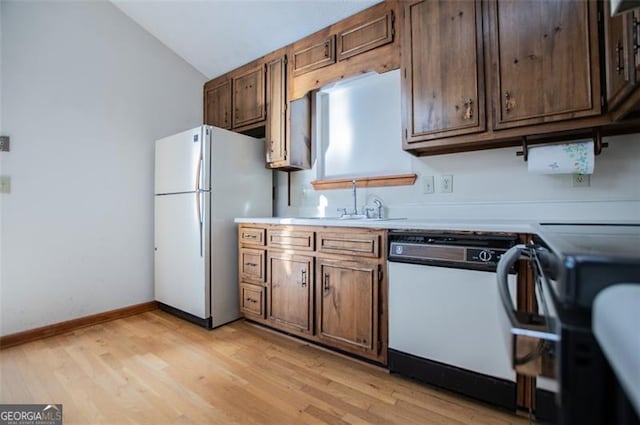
point(275, 141)
point(347, 305)
point(621, 76)
point(248, 98)
point(366, 36)
point(217, 105)
point(443, 59)
point(318, 55)
point(290, 291)
point(547, 60)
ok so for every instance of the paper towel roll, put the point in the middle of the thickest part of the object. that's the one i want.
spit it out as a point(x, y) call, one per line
point(571, 158)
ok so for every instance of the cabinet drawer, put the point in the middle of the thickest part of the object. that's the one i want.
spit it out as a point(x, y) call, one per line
point(301, 240)
point(252, 300)
point(252, 235)
point(351, 243)
point(366, 36)
point(315, 56)
point(252, 265)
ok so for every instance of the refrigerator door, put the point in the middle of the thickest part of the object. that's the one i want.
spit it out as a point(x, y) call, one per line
point(182, 162)
point(182, 252)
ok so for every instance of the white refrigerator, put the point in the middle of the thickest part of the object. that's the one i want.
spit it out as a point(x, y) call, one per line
point(204, 178)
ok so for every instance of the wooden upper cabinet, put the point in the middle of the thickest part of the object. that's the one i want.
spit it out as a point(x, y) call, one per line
point(320, 53)
point(444, 69)
point(276, 137)
point(621, 75)
point(249, 97)
point(547, 60)
point(365, 36)
point(347, 306)
point(217, 104)
point(291, 291)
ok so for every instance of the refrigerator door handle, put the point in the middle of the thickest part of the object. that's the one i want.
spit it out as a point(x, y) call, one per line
point(200, 223)
point(199, 170)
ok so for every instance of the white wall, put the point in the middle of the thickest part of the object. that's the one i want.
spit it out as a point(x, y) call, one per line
point(86, 91)
point(491, 184)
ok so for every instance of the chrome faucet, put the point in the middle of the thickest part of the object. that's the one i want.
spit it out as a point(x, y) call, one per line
point(378, 204)
point(355, 201)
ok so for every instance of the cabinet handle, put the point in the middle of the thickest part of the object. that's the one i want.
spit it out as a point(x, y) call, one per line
point(251, 300)
point(636, 40)
point(508, 103)
point(251, 264)
point(304, 278)
point(326, 49)
point(248, 236)
point(619, 64)
point(326, 281)
point(468, 109)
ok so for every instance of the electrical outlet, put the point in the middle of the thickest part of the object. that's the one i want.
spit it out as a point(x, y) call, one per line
point(446, 183)
point(5, 184)
point(581, 180)
point(428, 184)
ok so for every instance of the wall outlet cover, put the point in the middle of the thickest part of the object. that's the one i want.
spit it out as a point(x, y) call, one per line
point(581, 180)
point(428, 184)
point(5, 184)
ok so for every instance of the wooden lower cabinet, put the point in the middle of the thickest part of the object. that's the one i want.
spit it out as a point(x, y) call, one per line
point(347, 300)
point(290, 283)
point(324, 284)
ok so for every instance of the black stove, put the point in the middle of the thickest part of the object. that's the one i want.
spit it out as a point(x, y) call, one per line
point(578, 262)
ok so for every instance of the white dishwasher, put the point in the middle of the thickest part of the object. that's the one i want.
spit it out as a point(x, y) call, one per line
point(445, 326)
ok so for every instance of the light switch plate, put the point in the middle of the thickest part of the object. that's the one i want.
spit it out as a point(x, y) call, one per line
point(446, 183)
point(5, 184)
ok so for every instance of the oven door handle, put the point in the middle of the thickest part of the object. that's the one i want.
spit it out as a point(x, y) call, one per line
point(507, 261)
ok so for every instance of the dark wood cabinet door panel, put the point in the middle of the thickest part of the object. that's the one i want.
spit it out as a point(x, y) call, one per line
point(316, 56)
point(444, 64)
point(217, 105)
point(249, 97)
point(276, 137)
point(347, 305)
point(290, 291)
point(366, 36)
point(547, 61)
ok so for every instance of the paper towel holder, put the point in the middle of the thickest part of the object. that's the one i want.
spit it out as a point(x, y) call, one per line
point(598, 144)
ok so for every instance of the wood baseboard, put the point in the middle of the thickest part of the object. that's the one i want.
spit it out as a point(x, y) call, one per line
point(71, 325)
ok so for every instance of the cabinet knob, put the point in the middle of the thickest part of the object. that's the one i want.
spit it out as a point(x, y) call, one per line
point(468, 109)
point(508, 102)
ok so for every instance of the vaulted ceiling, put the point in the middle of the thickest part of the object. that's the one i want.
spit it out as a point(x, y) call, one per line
point(216, 36)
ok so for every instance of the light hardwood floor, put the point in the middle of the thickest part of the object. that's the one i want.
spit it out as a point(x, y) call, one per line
point(156, 369)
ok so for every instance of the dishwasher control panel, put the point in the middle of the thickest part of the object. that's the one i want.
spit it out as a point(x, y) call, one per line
point(468, 251)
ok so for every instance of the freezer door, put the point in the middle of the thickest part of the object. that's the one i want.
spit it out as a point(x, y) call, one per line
point(182, 162)
point(181, 262)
